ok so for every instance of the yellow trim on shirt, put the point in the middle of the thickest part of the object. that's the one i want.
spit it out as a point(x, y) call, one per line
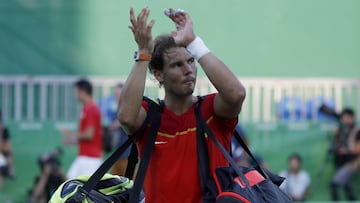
point(177, 133)
point(182, 132)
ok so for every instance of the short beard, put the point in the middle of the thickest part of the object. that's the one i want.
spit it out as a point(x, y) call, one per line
point(180, 94)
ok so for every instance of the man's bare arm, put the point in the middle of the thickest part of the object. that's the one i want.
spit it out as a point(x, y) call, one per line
point(232, 93)
point(130, 113)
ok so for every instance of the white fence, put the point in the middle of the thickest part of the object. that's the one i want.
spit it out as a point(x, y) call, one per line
point(51, 98)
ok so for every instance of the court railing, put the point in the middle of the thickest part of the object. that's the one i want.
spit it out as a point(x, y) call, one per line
point(51, 98)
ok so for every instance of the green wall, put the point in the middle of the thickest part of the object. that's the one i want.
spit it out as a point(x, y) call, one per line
point(255, 38)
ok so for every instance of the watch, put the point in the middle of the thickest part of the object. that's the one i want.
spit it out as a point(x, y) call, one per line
point(141, 56)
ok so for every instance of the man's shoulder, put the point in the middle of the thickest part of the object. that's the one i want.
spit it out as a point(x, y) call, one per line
point(91, 106)
point(150, 101)
point(207, 100)
point(304, 174)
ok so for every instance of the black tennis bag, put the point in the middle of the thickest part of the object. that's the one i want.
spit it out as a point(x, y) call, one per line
point(106, 188)
point(235, 184)
point(225, 186)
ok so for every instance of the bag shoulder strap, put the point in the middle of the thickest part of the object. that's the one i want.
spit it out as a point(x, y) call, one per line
point(202, 150)
point(154, 109)
point(202, 124)
point(148, 148)
point(247, 150)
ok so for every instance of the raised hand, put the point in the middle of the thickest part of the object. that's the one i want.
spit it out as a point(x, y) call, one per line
point(184, 33)
point(142, 30)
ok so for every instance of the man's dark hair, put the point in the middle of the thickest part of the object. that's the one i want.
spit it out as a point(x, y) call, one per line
point(161, 44)
point(347, 111)
point(295, 156)
point(84, 85)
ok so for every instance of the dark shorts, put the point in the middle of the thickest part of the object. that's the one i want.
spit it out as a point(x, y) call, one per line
point(343, 175)
point(5, 171)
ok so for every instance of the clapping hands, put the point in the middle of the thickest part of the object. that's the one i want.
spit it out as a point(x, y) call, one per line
point(183, 35)
point(142, 30)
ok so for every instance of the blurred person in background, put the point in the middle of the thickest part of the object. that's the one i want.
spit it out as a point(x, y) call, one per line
point(89, 135)
point(297, 182)
point(346, 147)
point(6, 157)
point(50, 178)
point(108, 107)
point(239, 155)
point(114, 135)
point(46, 184)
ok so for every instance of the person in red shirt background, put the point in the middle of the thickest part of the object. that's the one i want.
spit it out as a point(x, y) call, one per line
point(89, 135)
point(173, 174)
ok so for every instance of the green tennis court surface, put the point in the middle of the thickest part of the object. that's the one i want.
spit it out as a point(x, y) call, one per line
point(274, 142)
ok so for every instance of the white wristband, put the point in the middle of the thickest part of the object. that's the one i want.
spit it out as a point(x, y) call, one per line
point(197, 48)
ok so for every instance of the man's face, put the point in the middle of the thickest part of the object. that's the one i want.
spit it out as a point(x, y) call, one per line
point(179, 72)
point(79, 94)
point(347, 119)
point(294, 165)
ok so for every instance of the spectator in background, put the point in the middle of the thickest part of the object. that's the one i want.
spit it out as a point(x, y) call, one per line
point(346, 147)
point(46, 185)
point(297, 182)
point(50, 178)
point(239, 155)
point(116, 136)
point(108, 107)
point(6, 158)
point(89, 135)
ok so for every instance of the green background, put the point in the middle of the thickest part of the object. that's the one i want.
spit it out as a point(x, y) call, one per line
point(286, 38)
point(297, 38)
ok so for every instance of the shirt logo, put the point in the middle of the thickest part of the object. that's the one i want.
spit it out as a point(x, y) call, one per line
point(159, 142)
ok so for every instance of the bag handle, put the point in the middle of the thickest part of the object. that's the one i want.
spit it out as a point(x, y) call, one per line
point(226, 154)
point(154, 109)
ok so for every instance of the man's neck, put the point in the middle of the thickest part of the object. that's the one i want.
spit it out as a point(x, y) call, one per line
point(86, 100)
point(179, 105)
point(294, 172)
